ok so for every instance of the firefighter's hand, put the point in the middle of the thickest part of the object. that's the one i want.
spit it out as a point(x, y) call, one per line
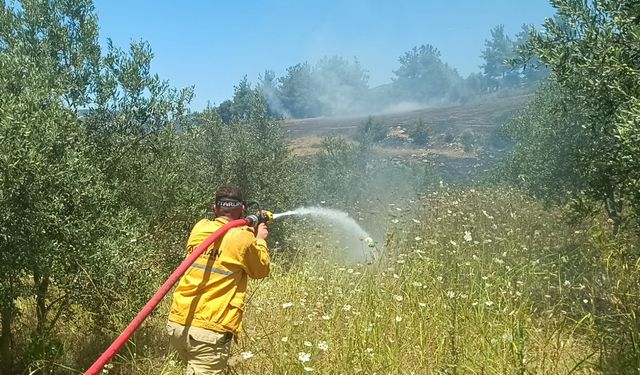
point(262, 232)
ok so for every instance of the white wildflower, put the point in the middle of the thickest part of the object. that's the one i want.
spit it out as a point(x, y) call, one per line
point(398, 319)
point(322, 345)
point(451, 294)
point(246, 355)
point(467, 236)
point(346, 307)
point(286, 305)
point(304, 357)
point(285, 339)
point(488, 303)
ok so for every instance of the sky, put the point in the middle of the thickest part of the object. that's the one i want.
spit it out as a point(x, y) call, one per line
point(212, 45)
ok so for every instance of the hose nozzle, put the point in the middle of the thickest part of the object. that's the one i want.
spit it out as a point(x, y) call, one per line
point(263, 216)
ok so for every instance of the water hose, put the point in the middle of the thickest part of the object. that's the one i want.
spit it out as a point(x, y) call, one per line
point(166, 287)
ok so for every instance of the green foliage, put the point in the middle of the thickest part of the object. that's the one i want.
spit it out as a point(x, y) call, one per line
point(548, 147)
point(95, 202)
point(255, 156)
point(468, 140)
point(420, 133)
point(297, 92)
point(531, 69)
point(592, 52)
point(339, 174)
point(423, 76)
point(224, 110)
point(332, 86)
point(371, 131)
point(53, 197)
point(449, 137)
point(498, 139)
point(501, 67)
point(341, 86)
point(498, 50)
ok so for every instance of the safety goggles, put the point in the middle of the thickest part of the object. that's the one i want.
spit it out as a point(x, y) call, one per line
point(229, 203)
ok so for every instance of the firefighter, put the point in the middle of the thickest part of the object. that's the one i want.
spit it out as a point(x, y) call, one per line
point(206, 311)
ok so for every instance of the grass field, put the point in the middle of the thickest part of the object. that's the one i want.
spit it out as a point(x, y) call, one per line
point(471, 281)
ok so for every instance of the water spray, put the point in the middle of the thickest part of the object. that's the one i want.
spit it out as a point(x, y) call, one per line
point(348, 223)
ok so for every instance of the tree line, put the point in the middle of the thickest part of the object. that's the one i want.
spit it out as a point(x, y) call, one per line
point(335, 85)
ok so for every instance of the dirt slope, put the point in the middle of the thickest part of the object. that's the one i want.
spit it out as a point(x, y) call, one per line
point(481, 116)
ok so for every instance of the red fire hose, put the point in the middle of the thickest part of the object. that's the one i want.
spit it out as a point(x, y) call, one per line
point(164, 289)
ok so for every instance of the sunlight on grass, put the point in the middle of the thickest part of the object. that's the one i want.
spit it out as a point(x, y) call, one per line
point(484, 282)
point(471, 282)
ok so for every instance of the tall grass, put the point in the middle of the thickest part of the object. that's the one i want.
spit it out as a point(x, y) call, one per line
point(471, 282)
point(485, 281)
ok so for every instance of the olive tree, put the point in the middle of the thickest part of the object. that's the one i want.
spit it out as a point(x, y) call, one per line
point(592, 50)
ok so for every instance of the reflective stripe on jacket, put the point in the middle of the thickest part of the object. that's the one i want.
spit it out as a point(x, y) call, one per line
point(211, 293)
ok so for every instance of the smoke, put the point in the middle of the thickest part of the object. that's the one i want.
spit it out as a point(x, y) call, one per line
point(267, 85)
point(335, 86)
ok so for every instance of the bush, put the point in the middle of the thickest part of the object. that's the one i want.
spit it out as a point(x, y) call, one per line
point(420, 133)
point(448, 138)
point(372, 130)
point(468, 140)
point(498, 139)
point(339, 171)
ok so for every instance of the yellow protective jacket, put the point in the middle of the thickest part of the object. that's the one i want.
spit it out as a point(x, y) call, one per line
point(211, 293)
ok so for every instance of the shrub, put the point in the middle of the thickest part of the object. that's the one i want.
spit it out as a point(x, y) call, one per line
point(372, 130)
point(420, 133)
point(468, 140)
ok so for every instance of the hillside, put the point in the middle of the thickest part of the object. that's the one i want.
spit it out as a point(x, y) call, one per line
point(480, 117)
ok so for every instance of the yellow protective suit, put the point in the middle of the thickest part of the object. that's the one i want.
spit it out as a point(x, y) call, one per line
point(211, 293)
